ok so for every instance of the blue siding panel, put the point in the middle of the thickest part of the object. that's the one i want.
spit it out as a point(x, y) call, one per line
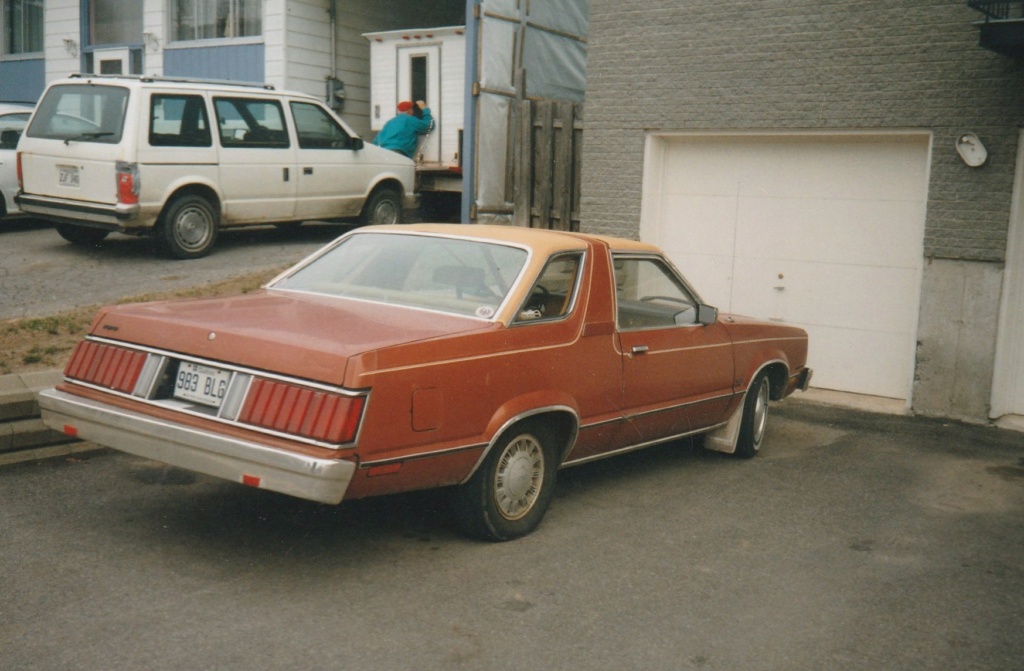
point(242, 62)
point(22, 80)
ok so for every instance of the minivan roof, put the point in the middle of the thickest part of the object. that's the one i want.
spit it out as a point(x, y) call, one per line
point(153, 79)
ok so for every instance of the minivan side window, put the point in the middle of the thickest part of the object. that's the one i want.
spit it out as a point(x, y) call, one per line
point(251, 122)
point(316, 129)
point(178, 121)
point(81, 113)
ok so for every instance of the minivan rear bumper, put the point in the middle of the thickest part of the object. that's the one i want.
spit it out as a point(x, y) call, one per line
point(77, 212)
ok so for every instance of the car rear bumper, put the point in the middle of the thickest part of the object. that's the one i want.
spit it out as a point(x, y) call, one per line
point(60, 209)
point(323, 480)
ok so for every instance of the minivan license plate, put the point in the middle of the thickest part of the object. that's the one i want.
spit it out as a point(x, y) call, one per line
point(201, 384)
point(68, 175)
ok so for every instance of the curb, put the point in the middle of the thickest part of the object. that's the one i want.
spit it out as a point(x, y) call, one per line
point(23, 436)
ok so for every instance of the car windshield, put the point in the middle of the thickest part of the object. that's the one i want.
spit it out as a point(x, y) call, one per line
point(454, 275)
point(81, 113)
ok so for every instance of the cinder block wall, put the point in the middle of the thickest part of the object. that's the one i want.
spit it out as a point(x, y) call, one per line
point(657, 65)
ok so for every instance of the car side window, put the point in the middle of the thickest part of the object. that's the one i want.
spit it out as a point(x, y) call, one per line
point(316, 129)
point(11, 126)
point(178, 121)
point(251, 122)
point(649, 294)
point(551, 296)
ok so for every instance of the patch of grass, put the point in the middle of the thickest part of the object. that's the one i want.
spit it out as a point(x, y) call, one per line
point(44, 343)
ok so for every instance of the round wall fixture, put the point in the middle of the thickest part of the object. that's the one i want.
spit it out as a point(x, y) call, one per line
point(971, 150)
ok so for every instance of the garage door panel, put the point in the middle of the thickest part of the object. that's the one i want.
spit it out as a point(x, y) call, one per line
point(853, 167)
point(706, 223)
point(839, 364)
point(835, 231)
point(843, 296)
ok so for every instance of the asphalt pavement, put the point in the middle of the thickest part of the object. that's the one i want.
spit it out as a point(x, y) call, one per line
point(854, 541)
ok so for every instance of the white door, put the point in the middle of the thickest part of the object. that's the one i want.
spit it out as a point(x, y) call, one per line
point(1008, 381)
point(111, 62)
point(419, 78)
point(824, 232)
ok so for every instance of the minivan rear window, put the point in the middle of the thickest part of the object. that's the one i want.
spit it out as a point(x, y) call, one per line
point(81, 113)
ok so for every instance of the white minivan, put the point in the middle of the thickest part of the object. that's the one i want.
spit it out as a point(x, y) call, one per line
point(180, 159)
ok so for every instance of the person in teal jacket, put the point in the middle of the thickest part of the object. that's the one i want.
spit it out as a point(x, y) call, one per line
point(402, 133)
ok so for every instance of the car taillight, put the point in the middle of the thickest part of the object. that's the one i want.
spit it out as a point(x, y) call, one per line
point(311, 413)
point(128, 183)
point(107, 366)
point(21, 180)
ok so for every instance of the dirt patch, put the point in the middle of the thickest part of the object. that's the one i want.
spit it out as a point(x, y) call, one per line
point(45, 343)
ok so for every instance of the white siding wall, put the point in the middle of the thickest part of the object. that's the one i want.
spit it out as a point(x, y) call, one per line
point(62, 23)
point(275, 42)
point(154, 22)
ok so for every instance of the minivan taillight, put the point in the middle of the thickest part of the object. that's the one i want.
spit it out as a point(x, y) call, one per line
point(128, 183)
point(21, 180)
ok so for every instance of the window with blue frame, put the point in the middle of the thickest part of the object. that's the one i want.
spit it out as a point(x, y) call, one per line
point(115, 22)
point(23, 26)
point(212, 19)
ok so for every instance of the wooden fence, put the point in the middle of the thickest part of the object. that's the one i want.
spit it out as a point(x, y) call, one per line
point(546, 158)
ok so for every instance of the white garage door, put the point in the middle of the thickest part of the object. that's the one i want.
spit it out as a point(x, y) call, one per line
point(825, 232)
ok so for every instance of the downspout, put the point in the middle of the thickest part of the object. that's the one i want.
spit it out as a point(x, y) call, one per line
point(332, 12)
point(470, 111)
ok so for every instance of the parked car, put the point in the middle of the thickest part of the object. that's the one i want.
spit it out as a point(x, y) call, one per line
point(181, 159)
point(13, 118)
point(403, 358)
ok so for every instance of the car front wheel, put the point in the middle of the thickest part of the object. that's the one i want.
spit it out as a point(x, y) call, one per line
point(755, 417)
point(383, 207)
point(511, 490)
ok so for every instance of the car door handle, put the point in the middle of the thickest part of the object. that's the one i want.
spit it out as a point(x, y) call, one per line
point(287, 174)
point(639, 349)
point(307, 171)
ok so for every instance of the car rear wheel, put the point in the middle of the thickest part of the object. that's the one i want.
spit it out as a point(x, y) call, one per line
point(189, 227)
point(383, 207)
point(511, 490)
point(755, 417)
point(81, 235)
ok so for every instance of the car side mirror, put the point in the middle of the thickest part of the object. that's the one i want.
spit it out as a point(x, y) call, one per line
point(357, 143)
point(9, 139)
point(706, 315)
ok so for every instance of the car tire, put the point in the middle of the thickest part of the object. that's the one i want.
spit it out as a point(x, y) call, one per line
point(189, 227)
point(511, 490)
point(384, 206)
point(755, 417)
point(81, 235)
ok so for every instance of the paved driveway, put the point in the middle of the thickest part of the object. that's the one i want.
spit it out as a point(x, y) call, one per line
point(856, 541)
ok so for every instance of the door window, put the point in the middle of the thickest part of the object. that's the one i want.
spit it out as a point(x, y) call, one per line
point(254, 123)
point(178, 121)
point(316, 129)
point(649, 294)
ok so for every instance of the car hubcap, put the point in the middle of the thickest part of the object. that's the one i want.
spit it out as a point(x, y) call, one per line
point(193, 228)
point(518, 478)
point(760, 413)
point(385, 213)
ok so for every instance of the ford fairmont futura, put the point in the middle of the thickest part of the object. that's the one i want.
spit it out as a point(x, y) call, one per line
point(400, 358)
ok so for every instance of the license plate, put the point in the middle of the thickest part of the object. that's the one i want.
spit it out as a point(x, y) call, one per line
point(201, 384)
point(68, 175)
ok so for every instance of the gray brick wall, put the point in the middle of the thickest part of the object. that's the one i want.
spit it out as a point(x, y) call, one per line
point(804, 65)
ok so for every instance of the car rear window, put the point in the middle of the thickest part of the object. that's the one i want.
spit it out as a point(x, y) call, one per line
point(439, 273)
point(81, 113)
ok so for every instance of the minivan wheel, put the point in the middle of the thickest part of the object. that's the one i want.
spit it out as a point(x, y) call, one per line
point(189, 227)
point(81, 235)
point(383, 207)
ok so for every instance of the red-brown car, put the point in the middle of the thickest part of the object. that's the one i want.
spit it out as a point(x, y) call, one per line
point(402, 358)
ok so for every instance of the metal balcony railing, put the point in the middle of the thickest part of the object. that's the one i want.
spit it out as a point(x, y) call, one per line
point(998, 11)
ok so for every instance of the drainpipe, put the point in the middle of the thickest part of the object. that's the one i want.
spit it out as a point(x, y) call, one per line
point(469, 142)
